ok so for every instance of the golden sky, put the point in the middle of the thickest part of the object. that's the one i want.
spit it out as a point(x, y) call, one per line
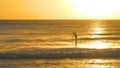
point(60, 9)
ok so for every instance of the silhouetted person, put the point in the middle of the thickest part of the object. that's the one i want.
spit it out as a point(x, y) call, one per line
point(75, 35)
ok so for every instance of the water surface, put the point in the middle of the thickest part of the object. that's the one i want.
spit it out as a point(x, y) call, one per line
point(52, 34)
point(21, 40)
point(63, 63)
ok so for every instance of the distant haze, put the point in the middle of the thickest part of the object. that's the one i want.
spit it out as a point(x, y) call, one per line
point(56, 9)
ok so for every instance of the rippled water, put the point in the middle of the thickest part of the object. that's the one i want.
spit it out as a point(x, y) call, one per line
point(50, 34)
point(36, 38)
point(63, 63)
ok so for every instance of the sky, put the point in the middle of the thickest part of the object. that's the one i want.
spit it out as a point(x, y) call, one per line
point(59, 9)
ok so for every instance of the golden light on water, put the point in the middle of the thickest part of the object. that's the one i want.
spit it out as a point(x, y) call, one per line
point(97, 29)
point(94, 44)
point(97, 63)
point(97, 45)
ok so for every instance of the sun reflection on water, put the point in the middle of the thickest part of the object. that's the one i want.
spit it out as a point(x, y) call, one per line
point(97, 29)
point(98, 44)
point(95, 44)
point(99, 63)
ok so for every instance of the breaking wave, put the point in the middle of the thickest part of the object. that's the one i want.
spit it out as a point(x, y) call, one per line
point(60, 53)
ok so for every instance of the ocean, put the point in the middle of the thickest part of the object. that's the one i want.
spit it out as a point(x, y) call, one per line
point(51, 44)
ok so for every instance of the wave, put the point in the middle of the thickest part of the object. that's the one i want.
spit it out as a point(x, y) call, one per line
point(101, 38)
point(60, 53)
